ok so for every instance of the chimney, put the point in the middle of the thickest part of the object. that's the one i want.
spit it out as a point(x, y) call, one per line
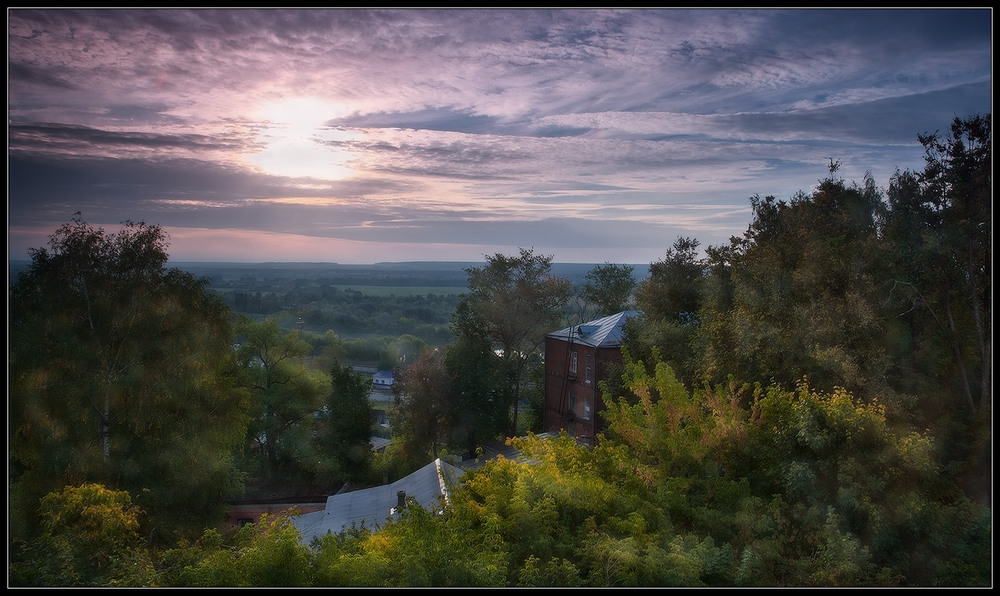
point(400, 499)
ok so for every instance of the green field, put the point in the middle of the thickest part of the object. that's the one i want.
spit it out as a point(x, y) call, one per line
point(403, 290)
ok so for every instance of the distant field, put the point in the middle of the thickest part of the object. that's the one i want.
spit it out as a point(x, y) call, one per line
point(404, 290)
point(400, 291)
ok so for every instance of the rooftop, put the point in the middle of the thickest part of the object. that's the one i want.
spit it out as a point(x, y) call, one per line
point(606, 332)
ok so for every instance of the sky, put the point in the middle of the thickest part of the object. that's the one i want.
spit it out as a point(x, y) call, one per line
point(362, 136)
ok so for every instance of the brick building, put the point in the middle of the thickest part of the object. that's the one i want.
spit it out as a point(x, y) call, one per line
point(576, 358)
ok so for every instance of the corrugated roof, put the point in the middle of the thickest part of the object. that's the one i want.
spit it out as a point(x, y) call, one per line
point(373, 506)
point(606, 332)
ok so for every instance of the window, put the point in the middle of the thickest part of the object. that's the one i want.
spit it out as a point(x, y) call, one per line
point(572, 362)
point(586, 408)
point(586, 377)
point(572, 401)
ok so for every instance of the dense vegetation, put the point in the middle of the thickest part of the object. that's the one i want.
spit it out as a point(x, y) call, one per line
point(810, 405)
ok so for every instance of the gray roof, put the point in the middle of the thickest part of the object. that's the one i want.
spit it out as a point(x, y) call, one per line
point(373, 506)
point(606, 332)
point(380, 443)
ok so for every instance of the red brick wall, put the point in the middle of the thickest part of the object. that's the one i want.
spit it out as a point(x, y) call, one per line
point(559, 382)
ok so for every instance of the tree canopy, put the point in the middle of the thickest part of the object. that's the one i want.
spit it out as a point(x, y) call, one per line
point(122, 373)
point(512, 302)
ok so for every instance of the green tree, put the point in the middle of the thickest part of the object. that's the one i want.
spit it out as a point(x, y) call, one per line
point(670, 302)
point(398, 351)
point(478, 408)
point(609, 288)
point(512, 302)
point(959, 177)
point(264, 554)
point(343, 425)
point(121, 373)
point(802, 299)
point(807, 487)
point(90, 537)
point(286, 393)
point(938, 294)
point(941, 220)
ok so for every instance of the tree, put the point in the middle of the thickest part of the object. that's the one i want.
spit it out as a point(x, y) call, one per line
point(512, 302)
point(801, 299)
point(266, 553)
point(421, 413)
point(90, 537)
point(937, 228)
point(344, 424)
point(479, 411)
point(285, 395)
point(121, 373)
point(670, 302)
point(609, 288)
point(807, 487)
point(942, 217)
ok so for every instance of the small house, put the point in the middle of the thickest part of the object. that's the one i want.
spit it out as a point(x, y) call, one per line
point(383, 379)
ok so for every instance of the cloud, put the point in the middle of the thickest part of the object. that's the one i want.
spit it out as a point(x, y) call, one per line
point(382, 131)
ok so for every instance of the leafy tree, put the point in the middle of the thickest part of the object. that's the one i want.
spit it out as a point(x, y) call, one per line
point(958, 179)
point(329, 349)
point(343, 425)
point(397, 352)
point(940, 220)
point(801, 299)
point(90, 537)
point(669, 301)
point(938, 294)
point(421, 413)
point(477, 406)
point(808, 487)
point(512, 302)
point(121, 373)
point(267, 553)
point(286, 393)
point(609, 288)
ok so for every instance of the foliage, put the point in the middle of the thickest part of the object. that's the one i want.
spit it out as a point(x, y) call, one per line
point(343, 426)
point(421, 413)
point(939, 223)
point(285, 396)
point(512, 302)
point(122, 373)
point(268, 553)
point(477, 406)
point(669, 302)
point(802, 299)
point(89, 537)
point(808, 488)
point(608, 289)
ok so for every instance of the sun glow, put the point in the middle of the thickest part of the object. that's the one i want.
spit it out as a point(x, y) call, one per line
point(299, 142)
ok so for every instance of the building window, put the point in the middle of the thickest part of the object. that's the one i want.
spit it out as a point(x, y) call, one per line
point(586, 378)
point(572, 401)
point(572, 362)
point(586, 408)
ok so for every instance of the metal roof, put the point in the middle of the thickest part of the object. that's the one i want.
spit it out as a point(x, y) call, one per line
point(606, 332)
point(373, 506)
